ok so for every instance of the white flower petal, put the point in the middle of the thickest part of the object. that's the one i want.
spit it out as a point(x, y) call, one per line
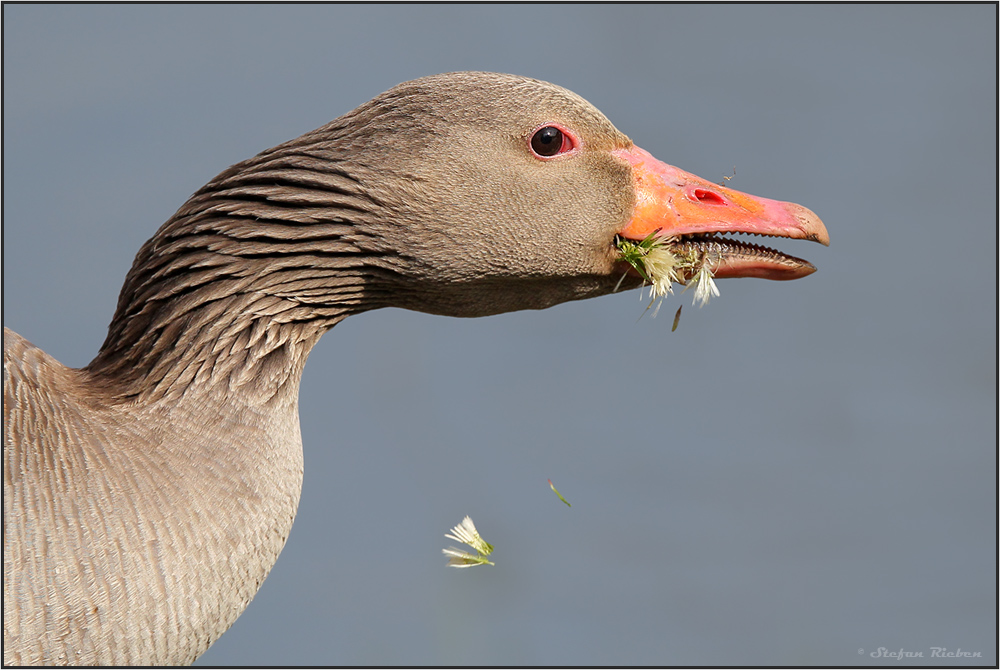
point(704, 285)
point(661, 266)
point(462, 559)
point(466, 533)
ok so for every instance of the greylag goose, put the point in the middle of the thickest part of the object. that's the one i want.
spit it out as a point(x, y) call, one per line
point(148, 494)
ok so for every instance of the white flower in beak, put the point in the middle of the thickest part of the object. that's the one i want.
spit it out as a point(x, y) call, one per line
point(663, 262)
point(704, 285)
point(466, 533)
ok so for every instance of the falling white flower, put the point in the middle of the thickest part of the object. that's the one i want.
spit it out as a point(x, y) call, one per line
point(466, 533)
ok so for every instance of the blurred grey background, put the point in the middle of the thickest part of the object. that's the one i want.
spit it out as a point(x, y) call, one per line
point(804, 472)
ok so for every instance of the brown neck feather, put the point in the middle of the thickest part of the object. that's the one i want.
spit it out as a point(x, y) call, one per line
point(241, 282)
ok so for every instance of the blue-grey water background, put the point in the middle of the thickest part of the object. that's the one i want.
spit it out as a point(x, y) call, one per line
point(804, 472)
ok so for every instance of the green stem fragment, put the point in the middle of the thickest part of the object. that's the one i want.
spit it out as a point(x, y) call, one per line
point(552, 486)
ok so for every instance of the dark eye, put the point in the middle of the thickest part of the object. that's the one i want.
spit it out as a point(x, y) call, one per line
point(549, 141)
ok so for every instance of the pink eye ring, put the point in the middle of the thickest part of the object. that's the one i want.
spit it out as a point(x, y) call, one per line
point(550, 141)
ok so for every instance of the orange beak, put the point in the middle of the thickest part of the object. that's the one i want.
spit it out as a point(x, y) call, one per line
point(671, 203)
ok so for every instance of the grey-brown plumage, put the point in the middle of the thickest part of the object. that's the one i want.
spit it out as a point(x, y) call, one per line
point(147, 495)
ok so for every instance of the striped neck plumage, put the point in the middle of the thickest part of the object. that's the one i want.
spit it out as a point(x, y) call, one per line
point(235, 289)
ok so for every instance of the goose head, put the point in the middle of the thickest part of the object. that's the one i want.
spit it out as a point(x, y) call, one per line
point(506, 193)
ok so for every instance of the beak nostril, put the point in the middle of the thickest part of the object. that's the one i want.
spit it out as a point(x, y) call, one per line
point(708, 197)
